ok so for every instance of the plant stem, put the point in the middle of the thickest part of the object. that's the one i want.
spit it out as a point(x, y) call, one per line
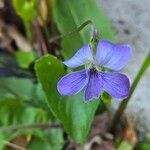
point(32, 126)
point(124, 103)
point(28, 31)
point(72, 32)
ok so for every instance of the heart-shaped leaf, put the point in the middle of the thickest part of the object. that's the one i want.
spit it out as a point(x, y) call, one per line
point(75, 115)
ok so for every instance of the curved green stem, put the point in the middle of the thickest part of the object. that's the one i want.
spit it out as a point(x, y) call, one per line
point(73, 31)
point(124, 103)
point(28, 31)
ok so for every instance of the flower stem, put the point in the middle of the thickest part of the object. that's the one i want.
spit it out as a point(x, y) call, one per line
point(124, 103)
point(28, 31)
point(72, 32)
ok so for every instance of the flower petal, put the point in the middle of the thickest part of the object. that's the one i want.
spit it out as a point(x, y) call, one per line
point(82, 55)
point(94, 86)
point(116, 84)
point(112, 56)
point(72, 83)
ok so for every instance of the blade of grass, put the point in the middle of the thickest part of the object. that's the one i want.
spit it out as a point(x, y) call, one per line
point(125, 102)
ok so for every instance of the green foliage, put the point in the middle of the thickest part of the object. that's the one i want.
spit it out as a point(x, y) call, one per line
point(21, 104)
point(17, 88)
point(143, 146)
point(25, 58)
point(124, 146)
point(106, 98)
point(25, 9)
point(70, 14)
point(21, 101)
point(13, 112)
point(75, 115)
point(50, 140)
point(22, 89)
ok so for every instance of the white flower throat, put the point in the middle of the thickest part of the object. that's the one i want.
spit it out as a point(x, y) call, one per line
point(89, 64)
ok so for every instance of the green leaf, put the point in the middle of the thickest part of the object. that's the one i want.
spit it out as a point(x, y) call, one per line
point(75, 115)
point(125, 146)
point(50, 139)
point(25, 9)
point(23, 89)
point(14, 113)
point(106, 98)
point(143, 146)
point(25, 58)
point(71, 14)
point(17, 88)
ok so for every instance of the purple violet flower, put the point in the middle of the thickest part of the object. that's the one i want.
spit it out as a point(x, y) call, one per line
point(93, 79)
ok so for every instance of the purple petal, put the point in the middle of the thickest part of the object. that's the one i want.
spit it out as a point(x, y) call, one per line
point(72, 83)
point(116, 84)
point(112, 56)
point(82, 55)
point(94, 86)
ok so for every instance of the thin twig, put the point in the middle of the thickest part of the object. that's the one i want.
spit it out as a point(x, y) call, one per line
point(12, 33)
point(40, 38)
point(17, 147)
point(44, 23)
